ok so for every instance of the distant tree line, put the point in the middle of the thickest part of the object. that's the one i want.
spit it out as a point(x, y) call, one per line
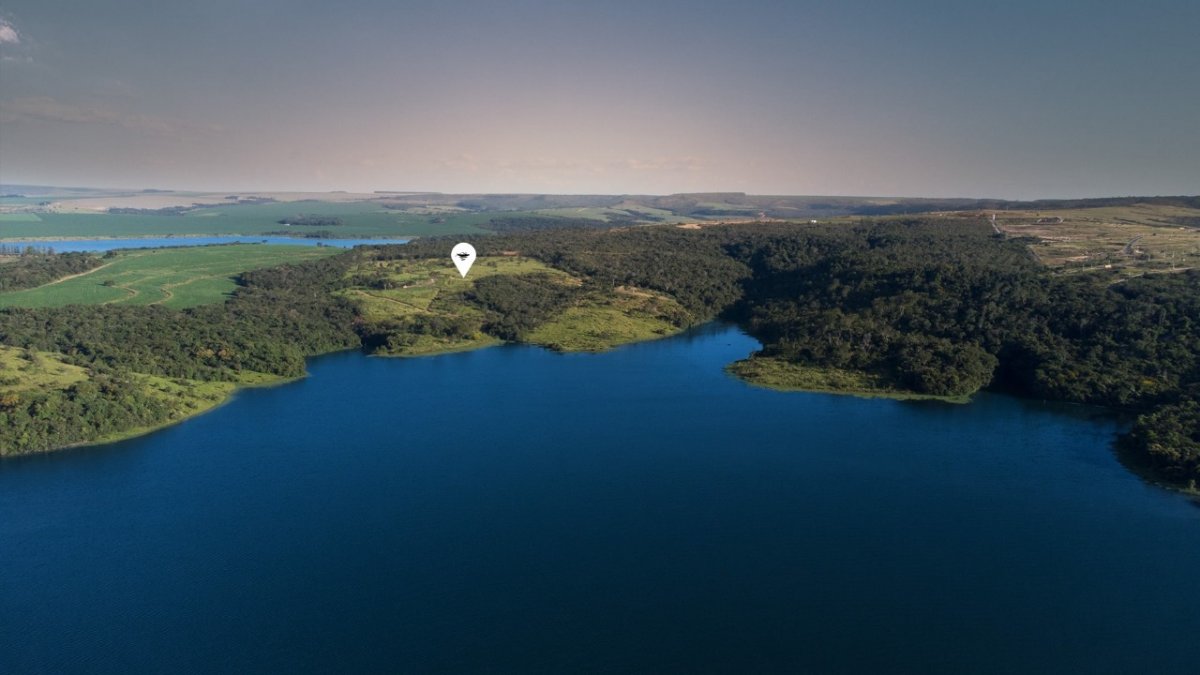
point(312, 221)
point(165, 211)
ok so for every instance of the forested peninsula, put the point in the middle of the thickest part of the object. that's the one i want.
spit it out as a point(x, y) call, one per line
point(908, 305)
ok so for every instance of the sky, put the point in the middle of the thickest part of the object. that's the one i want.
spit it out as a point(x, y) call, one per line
point(1018, 99)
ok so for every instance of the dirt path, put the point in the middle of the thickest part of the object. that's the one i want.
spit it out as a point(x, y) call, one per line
point(133, 293)
point(77, 275)
point(84, 274)
point(398, 302)
point(166, 291)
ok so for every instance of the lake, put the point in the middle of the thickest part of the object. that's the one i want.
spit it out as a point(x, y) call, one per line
point(517, 510)
point(102, 245)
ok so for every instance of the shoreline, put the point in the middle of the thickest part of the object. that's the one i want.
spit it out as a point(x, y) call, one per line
point(237, 387)
point(789, 377)
point(138, 432)
point(144, 431)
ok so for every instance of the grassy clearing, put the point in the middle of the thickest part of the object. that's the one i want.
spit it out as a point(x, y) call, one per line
point(19, 218)
point(434, 287)
point(598, 321)
point(177, 277)
point(783, 375)
point(421, 283)
point(1129, 239)
point(601, 323)
point(27, 370)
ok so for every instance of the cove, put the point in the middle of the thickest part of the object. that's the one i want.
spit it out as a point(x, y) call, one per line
point(516, 510)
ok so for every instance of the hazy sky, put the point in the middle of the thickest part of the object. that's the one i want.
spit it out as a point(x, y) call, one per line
point(1018, 99)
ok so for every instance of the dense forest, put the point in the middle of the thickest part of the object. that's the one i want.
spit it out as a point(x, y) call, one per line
point(938, 306)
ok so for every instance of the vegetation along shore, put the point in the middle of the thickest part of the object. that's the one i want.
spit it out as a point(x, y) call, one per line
point(906, 306)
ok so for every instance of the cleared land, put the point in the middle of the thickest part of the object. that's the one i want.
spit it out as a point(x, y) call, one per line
point(176, 277)
point(1129, 239)
point(601, 322)
point(27, 370)
point(434, 288)
point(595, 322)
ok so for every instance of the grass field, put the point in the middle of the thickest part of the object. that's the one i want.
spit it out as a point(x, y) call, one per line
point(426, 285)
point(359, 219)
point(598, 321)
point(433, 287)
point(601, 323)
point(624, 210)
point(176, 277)
point(1129, 239)
point(24, 370)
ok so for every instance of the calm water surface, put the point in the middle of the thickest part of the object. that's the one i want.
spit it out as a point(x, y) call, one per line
point(101, 245)
point(515, 510)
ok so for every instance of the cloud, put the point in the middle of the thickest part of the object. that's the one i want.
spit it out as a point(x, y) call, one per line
point(8, 34)
point(46, 109)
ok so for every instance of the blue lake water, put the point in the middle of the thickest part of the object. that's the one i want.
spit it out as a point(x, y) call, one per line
point(101, 245)
point(516, 510)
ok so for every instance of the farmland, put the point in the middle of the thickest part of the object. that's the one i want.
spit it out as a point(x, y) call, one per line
point(1130, 239)
point(359, 219)
point(177, 277)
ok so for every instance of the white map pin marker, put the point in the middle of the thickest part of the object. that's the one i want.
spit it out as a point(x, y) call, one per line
point(463, 256)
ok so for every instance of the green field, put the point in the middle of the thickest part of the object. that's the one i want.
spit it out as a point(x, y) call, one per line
point(598, 320)
point(624, 210)
point(433, 287)
point(359, 219)
point(173, 277)
point(27, 370)
point(604, 321)
point(421, 283)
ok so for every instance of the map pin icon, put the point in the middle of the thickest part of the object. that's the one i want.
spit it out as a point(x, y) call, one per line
point(463, 256)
